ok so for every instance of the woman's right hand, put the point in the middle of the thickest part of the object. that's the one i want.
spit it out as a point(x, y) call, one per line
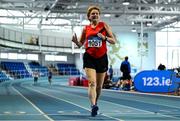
point(74, 38)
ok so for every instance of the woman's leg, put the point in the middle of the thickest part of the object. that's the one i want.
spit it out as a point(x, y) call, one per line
point(100, 80)
point(91, 76)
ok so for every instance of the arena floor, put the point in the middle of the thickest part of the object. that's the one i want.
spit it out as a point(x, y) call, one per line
point(23, 101)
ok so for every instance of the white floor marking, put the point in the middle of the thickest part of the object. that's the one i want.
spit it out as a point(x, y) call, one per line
point(76, 112)
point(60, 111)
point(21, 112)
point(7, 112)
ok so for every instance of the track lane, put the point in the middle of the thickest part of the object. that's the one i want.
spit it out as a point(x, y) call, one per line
point(54, 107)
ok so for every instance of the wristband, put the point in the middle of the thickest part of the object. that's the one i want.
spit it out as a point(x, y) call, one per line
point(106, 38)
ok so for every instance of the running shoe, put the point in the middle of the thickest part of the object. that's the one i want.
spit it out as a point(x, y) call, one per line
point(94, 110)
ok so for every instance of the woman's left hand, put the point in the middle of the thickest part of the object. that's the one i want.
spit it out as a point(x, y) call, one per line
point(101, 36)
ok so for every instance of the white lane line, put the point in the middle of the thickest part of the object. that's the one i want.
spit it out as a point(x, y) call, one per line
point(68, 112)
point(42, 113)
point(76, 112)
point(21, 112)
point(72, 103)
point(7, 112)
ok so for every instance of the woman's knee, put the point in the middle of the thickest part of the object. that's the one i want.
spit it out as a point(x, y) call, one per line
point(99, 87)
point(92, 83)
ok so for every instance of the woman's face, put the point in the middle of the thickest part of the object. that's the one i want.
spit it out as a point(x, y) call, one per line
point(94, 15)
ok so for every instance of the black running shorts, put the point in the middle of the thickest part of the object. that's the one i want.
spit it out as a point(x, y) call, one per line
point(99, 64)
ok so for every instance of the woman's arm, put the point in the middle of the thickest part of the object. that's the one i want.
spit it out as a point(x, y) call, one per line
point(110, 37)
point(81, 41)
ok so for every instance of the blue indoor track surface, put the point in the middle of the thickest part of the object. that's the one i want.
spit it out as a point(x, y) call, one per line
point(21, 100)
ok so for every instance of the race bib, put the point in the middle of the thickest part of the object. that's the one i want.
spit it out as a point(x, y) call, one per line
point(94, 41)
